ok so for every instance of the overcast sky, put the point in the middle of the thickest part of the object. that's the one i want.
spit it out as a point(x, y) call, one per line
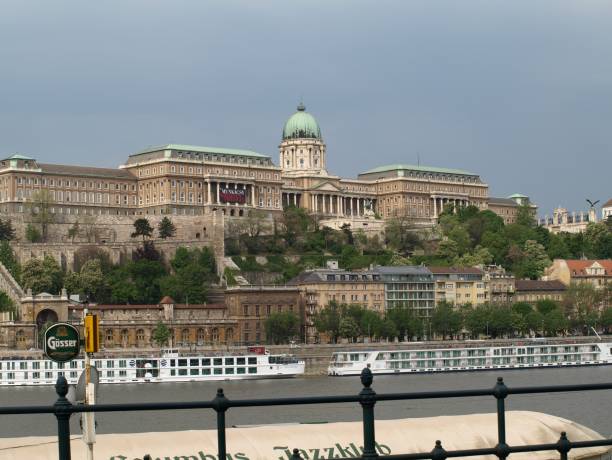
point(519, 92)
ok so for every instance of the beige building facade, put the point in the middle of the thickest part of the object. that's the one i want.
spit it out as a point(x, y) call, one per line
point(460, 285)
point(191, 180)
point(598, 273)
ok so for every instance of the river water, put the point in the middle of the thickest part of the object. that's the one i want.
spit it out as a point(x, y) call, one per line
point(593, 409)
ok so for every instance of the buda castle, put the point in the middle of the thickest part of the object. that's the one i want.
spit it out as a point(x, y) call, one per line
point(188, 180)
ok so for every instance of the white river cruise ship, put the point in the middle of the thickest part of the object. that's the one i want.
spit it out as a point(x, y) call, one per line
point(169, 367)
point(471, 356)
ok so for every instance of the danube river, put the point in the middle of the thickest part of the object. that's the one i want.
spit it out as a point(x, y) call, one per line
point(592, 409)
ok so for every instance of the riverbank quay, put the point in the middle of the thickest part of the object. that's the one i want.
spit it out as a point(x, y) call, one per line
point(500, 434)
point(317, 356)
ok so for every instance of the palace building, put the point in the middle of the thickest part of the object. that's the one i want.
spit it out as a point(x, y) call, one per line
point(189, 180)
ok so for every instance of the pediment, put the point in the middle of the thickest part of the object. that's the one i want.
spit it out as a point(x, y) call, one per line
point(326, 187)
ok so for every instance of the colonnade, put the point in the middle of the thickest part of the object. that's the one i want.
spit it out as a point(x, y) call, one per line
point(440, 201)
point(338, 205)
point(292, 199)
point(213, 195)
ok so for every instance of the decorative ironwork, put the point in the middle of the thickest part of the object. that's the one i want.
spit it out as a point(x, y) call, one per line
point(367, 398)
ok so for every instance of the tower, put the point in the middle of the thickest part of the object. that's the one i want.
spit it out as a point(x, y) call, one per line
point(302, 149)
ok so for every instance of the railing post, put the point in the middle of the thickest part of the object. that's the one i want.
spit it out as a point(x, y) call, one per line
point(368, 400)
point(220, 404)
point(500, 391)
point(563, 445)
point(62, 413)
point(296, 455)
point(438, 453)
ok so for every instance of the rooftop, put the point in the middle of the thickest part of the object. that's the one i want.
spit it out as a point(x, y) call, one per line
point(85, 171)
point(200, 149)
point(397, 167)
point(456, 270)
point(539, 285)
point(502, 201)
point(402, 270)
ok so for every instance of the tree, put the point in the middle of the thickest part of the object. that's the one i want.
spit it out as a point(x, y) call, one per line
point(445, 320)
point(42, 275)
point(328, 321)
point(73, 231)
point(349, 329)
point(143, 228)
point(193, 272)
point(166, 228)
point(90, 282)
point(7, 232)
point(401, 235)
point(282, 327)
point(40, 209)
point(6, 304)
point(448, 250)
point(406, 323)
point(160, 334)
point(295, 222)
point(33, 234)
point(606, 319)
point(533, 261)
point(580, 301)
point(9, 260)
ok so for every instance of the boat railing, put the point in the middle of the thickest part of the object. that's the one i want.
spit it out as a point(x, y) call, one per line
point(367, 398)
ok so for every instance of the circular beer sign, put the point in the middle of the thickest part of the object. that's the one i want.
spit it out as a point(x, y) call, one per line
point(62, 342)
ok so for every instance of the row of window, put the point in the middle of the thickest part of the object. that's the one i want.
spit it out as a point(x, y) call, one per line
point(74, 183)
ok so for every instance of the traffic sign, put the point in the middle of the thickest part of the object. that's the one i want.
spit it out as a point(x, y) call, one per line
point(62, 342)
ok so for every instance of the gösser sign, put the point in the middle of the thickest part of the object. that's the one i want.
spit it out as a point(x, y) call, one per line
point(62, 342)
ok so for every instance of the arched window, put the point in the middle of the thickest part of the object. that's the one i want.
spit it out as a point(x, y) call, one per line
point(125, 336)
point(140, 335)
point(109, 337)
point(229, 335)
point(185, 336)
point(215, 335)
point(20, 338)
point(201, 336)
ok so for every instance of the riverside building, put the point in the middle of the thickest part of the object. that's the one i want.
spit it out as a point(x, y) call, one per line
point(188, 180)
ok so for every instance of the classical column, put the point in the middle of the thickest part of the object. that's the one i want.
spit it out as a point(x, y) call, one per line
point(208, 198)
point(218, 186)
point(252, 195)
point(435, 206)
point(295, 199)
point(359, 207)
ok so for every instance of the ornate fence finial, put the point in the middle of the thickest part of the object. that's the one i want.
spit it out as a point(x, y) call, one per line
point(438, 452)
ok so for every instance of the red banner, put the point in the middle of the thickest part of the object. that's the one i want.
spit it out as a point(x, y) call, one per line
point(232, 195)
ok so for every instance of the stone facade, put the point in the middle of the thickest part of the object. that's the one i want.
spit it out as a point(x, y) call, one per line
point(570, 222)
point(250, 306)
point(533, 290)
point(184, 180)
point(595, 272)
point(501, 284)
point(508, 208)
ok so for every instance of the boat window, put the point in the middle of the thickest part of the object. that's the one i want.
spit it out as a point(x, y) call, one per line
point(240, 361)
point(61, 365)
point(182, 371)
point(73, 374)
point(194, 371)
point(229, 361)
point(354, 357)
point(73, 365)
point(205, 371)
point(218, 371)
point(109, 364)
point(48, 375)
point(172, 363)
point(123, 363)
point(218, 362)
point(35, 375)
point(252, 370)
point(182, 363)
point(194, 362)
point(206, 362)
point(23, 366)
point(252, 360)
point(229, 370)
point(240, 370)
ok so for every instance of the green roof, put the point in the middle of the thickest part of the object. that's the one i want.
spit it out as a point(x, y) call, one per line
point(17, 156)
point(200, 149)
point(398, 167)
point(301, 125)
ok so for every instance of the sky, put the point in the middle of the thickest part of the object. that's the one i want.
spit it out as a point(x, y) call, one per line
point(518, 91)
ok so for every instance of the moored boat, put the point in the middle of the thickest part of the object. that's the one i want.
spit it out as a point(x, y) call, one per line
point(471, 356)
point(170, 366)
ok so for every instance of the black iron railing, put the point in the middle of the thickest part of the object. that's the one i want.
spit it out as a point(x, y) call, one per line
point(367, 398)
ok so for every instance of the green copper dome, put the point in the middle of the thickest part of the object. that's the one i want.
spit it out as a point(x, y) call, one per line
point(301, 125)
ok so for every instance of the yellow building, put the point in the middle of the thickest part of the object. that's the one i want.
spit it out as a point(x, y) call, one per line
point(460, 285)
point(320, 287)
